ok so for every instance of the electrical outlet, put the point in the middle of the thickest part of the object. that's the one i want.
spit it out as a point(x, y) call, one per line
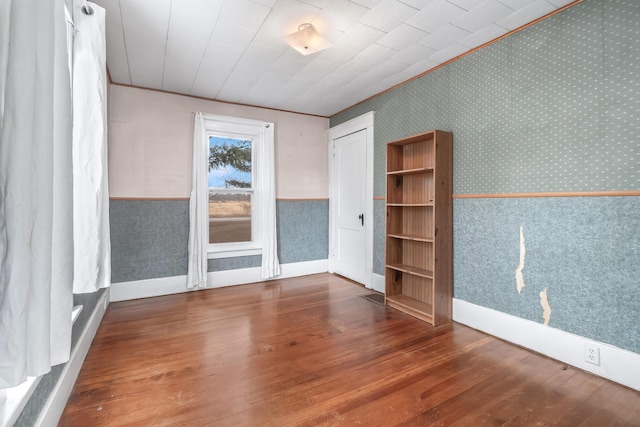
point(591, 353)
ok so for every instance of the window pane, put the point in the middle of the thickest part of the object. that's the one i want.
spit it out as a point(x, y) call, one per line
point(229, 163)
point(229, 217)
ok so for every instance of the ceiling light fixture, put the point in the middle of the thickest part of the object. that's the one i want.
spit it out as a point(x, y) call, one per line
point(307, 40)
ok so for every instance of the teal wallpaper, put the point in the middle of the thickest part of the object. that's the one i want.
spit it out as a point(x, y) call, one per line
point(583, 250)
point(553, 108)
point(149, 237)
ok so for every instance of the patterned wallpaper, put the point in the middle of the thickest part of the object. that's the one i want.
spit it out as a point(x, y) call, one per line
point(552, 108)
point(149, 237)
point(583, 250)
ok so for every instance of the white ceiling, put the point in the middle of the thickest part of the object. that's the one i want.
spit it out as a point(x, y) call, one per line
point(232, 50)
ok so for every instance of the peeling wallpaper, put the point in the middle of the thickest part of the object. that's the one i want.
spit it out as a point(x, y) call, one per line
point(552, 108)
point(583, 250)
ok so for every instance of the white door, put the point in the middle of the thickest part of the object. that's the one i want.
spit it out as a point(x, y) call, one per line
point(349, 236)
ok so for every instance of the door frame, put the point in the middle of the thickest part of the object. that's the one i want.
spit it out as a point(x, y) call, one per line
point(363, 122)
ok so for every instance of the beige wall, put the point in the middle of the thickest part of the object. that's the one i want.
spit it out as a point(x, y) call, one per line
point(150, 138)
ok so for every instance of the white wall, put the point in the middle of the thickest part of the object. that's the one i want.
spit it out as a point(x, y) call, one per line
point(150, 137)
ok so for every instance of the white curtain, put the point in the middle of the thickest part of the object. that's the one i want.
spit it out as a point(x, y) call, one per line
point(267, 214)
point(91, 235)
point(198, 215)
point(36, 245)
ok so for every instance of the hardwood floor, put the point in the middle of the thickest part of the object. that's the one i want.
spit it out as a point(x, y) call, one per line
point(310, 351)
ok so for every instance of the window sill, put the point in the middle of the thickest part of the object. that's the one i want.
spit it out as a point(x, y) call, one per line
point(232, 253)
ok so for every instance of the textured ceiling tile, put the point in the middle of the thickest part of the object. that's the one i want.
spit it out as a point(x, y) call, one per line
point(314, 72)
point(516, 4)
point(482, 16)
point(387, 15)
point(360, 36)
point(268, 3)
point(317, 91)
point(316, 3)
point(413, 54)
point(244, 13)
point(117, 55)
point(392, 80)
point(232, 35)
point(264, 89)
point(401, 37)
point(417, 69)
point(181, 66)
point(363, 81)
point(387, 68)
point(239, 83)
point(467, 4)
point(337, 54)
point(248, 70)
point(448, 53)
point(180, 31)
point(145, 53)
point(289, 63)
point(151, 41)
point(303, 104)
point(354, 68)
point(145, 72)
point(367, 59)
point(339, 15)
point(286, 93)
point(352, 92)
point(483, 36)
point(246, 57)
point(260, 56)
point(560, 3)
point(417, 4)
point(334, 81)
point(377, 53)
point(410, 72)
point(526, 14)
point(447, 35)
point(218, 62)
point(192, 21)
point(435, 15)
point(146, 13)
point(197, 13)
point(367, 3)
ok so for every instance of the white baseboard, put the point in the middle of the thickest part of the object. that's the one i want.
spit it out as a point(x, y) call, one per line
point(377, 282)
point(216, 279)
point(616, 364)
point(53, 408)
point(124, 291)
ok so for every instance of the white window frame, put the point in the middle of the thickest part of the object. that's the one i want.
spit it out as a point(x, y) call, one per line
point(247, 129)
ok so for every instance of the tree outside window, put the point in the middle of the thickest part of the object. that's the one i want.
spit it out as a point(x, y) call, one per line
point(230, 189)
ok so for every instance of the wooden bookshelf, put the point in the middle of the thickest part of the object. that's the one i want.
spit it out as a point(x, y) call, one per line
point(419, 255)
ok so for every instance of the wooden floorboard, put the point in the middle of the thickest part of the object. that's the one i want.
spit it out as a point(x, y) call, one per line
point(311, 351)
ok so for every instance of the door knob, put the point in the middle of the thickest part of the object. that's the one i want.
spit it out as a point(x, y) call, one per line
point(361, 218)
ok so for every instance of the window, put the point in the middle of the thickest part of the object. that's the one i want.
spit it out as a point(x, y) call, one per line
point(239, 172)
point(230, 190)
